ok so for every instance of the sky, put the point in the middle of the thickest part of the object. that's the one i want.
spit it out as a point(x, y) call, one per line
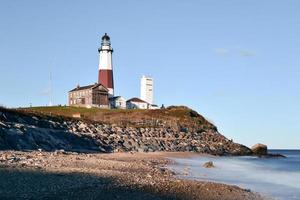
point(235, 62)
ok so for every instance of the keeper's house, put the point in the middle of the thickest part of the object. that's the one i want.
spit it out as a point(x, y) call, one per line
point(95, 95)
point(136, 103)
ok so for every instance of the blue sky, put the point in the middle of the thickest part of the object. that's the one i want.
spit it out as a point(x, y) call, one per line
point(236, 62)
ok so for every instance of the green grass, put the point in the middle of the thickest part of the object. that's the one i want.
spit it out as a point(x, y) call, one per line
point(69, 111)
point(180, 115)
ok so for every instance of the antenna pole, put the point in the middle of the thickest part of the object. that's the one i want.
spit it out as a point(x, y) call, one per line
point(50, 89)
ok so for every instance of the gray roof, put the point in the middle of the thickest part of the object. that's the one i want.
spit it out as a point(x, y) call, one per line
point(135, 99)
point(115, 97)
point(78, 88)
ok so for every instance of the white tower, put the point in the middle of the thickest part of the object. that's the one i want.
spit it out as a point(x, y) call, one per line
point(147, 89)
point(105, 76)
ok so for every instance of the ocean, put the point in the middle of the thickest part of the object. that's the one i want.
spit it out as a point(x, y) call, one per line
point(277, 178)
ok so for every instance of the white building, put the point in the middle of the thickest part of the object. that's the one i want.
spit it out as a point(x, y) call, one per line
point(147, 89)
point(117, 102)
point(153, 107)
point(136, 103)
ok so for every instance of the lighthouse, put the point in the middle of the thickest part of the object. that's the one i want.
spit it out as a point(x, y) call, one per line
point(105, 76)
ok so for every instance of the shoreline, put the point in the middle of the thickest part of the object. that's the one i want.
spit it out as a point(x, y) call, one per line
point(69, 175)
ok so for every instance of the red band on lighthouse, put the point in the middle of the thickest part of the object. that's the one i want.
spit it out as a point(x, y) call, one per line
point(106, 78)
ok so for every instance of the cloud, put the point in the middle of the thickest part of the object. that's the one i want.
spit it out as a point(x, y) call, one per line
point(247, 53)
point(222, 51)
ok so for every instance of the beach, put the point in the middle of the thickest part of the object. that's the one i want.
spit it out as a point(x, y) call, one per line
point(68, 175)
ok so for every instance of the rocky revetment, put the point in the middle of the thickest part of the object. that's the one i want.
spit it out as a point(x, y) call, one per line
point(174, 129)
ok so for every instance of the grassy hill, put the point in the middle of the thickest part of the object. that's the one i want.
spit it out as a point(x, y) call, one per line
point(172, 116)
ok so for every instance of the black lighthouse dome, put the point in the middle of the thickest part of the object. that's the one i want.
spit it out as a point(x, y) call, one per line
point(105, 39)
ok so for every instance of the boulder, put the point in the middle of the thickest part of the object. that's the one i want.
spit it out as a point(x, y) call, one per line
point(273, 156)
point(3, 124)
point(259, 149)
point(208, 164)
point(60, 151)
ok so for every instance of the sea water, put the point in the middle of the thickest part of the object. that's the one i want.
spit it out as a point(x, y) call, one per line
point(278, 178)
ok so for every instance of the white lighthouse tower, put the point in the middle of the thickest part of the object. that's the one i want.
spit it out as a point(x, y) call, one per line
point(105, 76)
point(147, 89)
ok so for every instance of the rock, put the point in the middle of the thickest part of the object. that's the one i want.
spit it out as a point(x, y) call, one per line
point(259, 149)
point(273, 156)
point(61, 151)
point(3, 124)
point(82, 126)
point(208, 164)
point(184, 129)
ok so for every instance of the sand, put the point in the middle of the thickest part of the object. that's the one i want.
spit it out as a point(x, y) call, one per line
point(62, 175)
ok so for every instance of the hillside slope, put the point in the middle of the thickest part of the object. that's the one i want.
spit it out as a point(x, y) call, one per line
point(174, 116)
point(171, 129)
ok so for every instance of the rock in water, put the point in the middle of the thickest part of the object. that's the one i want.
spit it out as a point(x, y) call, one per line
point(209, 164)
point(259, 149)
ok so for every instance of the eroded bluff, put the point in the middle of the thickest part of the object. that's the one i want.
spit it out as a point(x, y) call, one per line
point(21, 130)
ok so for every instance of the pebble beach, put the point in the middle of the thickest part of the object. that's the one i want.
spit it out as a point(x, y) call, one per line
point(68, 175)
